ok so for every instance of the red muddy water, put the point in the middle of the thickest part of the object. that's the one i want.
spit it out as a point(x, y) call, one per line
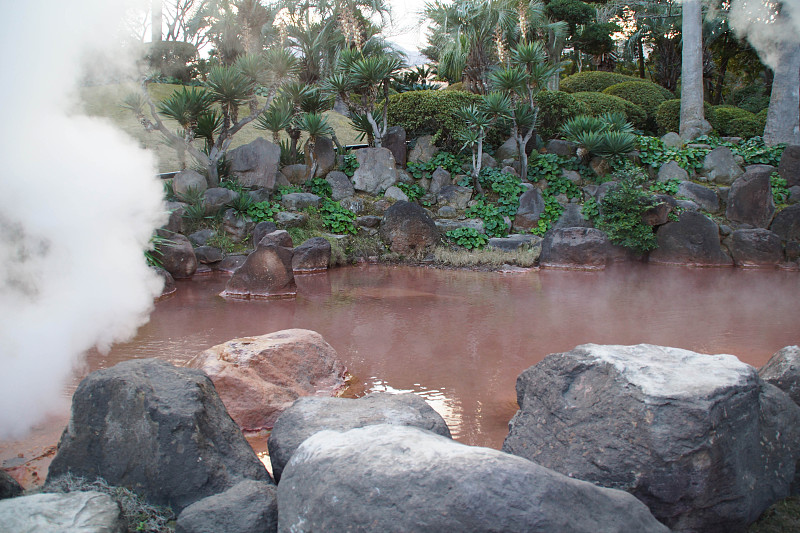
point(460, 338)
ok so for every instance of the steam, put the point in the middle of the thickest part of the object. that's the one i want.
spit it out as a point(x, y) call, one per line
point(79, 203)
point(768, 33)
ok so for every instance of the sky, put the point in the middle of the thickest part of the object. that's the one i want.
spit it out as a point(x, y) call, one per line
point(406, 29)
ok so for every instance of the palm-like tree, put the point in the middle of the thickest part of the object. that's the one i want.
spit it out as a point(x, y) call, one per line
point(477, 121)
point(315, 126)
point(276, 119)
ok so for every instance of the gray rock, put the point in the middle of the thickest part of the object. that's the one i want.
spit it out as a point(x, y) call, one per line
point(75, 512)
point(266, 273)
point(603, 189)
point(789, 167)
point(688, 434)
point(439, 179)
point(706, 198)
point(688, 205)
point(672, 140)
point(404, 177)
point(600, 166)
point(407, 479)
point(208, 254)
point(783, 371)
point(395, 193)
point(445, 225)
point(455, 196)
point(9, 488)
point(408, 230)
point(671, 170)
point(296, 174)
point(531, 207)
point(341, 186)
point(312, 256)
point(794, 194)
point(446, 211)
point(423, 150)
point(658, 213)
point(290, 220)
point(354, 205)
point(572, 175)
point(260, 195)
point(298, 201)
point(562, 148)
point(507, 150)
point(217, 198)
point(281, 180)
point(188, 182)
point(692, 240)
point(510, 170)
point(261, 229)
point(158, 430)
point(311, 415)
point(278, 237)
point(175, 223)
point(324, 155)
point(750, 198)
point(488, 161)
point(787, 223)
point(255, 164)
point(247, 507)
point(579, 248)
point(238, 228)
point(572, 217)
point(368, 221)
point(376, 170)
point(201, 237)
point(176, 255)
point(515, 241)
point(721, 167)
point(756, 248)
point(395, 141)
point(231, 263)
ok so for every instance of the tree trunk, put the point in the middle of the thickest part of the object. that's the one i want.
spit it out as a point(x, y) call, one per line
point(783, 117)
point(155, 19)
point(723, 69)
point(693, 123)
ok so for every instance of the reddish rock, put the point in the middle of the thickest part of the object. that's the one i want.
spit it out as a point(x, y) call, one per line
point(266, 273)
point(258, 377)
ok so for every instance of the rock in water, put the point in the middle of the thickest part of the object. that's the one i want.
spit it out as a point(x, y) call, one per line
point(700, 439)
point(249, 507)
point(408, 229)
point(399, 478)
point(74, 512)
point(579, 248)
point(691, 240)
point(308, 416)
point(312, 256)
point(750, 198)
point(158, 430)
point(258, 377)
point(266, 273)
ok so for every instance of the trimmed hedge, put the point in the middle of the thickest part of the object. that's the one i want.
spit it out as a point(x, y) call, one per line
point(734, 122)
point(599, 103)
point(762, 119)
point(597, 81)
point(431, 113)
point(555, 108)
point(668, 116)
point(645, 94)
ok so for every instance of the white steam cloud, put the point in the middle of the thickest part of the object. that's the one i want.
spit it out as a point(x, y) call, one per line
point(769, 34)
point(79, 203)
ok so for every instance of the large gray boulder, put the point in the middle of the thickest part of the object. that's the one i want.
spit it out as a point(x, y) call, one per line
point(247, 507)
point(783, 371)
point(341, 186)
point(312, 256)
point(516, 241)
point(158, 430)
point(671, 170)
point(217, 198)
point(562, 148)
point(298, 201)
point(75, 512)
point(572, 217)
point(296, 174)
point(188, 182)
point(531, 207)
point(507, 150)
point(176, 222)
point(691, 240)
point(311, 415)
point(262, 229)
point(787, 223)
point(756, 248)
point(408, 230)
point(423, 150)
point(395, 193)
point(789, 167)
point(237, 227)
point(255, 164)
point(720, 166)
point(324, 155)
point(266, 273)
point(440, 179)
point(376, 170)
point(579, 248)
point(401, 478)
point(750, 198)
point(176, 254)
point(446, 224)
point(691, 435)
point(455, 196)
point(707, 199)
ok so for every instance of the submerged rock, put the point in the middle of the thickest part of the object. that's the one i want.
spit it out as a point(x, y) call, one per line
point(399, 478)
point(258, 377)
point(72, 512)
point(9, 488)
point(176, 254)
point(161, 431)
point(700, 439)
point(308, 416)
point(756, 248)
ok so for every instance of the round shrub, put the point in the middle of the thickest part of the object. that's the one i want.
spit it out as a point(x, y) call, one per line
point(431, 113)
point(599, 103)
point(751, 98)
point(668, 116)
point(556, 107)
point(597, 81)
point(762, 119)
point(734, 122)
point(458, 86)
point(645, 94)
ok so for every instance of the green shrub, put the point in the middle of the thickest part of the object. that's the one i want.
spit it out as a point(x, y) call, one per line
point(645, 94)
point(432, 113)
point(668, 116)
point(593, 81)
point(622, 210)
point(751, 98)
point(554, 108)
point(734, 122)
point(599, 103)
point(468, 238)
point(493, 222)
point(762, 119)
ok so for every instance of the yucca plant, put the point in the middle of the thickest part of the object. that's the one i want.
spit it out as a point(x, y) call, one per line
point(276, 119)
point(231, 89)
point(208, 126)
point(192, 196)
point(616, 143)
point(608, 135)
point(315, 126)
point(616, 121)
point(572, 128)
point(477, 121)
point(241, 204)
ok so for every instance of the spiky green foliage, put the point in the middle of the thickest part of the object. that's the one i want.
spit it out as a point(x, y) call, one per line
point(313, 124)
point(186, 105)
point(275, 119)
point(599, 103)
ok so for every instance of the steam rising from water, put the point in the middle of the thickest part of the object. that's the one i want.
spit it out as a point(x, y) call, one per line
point(755, 19)
point(79, 203)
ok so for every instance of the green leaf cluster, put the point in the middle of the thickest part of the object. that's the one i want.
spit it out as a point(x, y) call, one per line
point(552, 212)
point(600, 103)
point(622, 210)
point(653, 152)
point(506, 187)
point(645, 94)
point(448, 161)
point(666, 187)
point(263, 211)
point(780, 191)
point(414, 191)
point(336, 218)
point(730, 121)
point(320, 187)
point(468, 238)
point(493, 222)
